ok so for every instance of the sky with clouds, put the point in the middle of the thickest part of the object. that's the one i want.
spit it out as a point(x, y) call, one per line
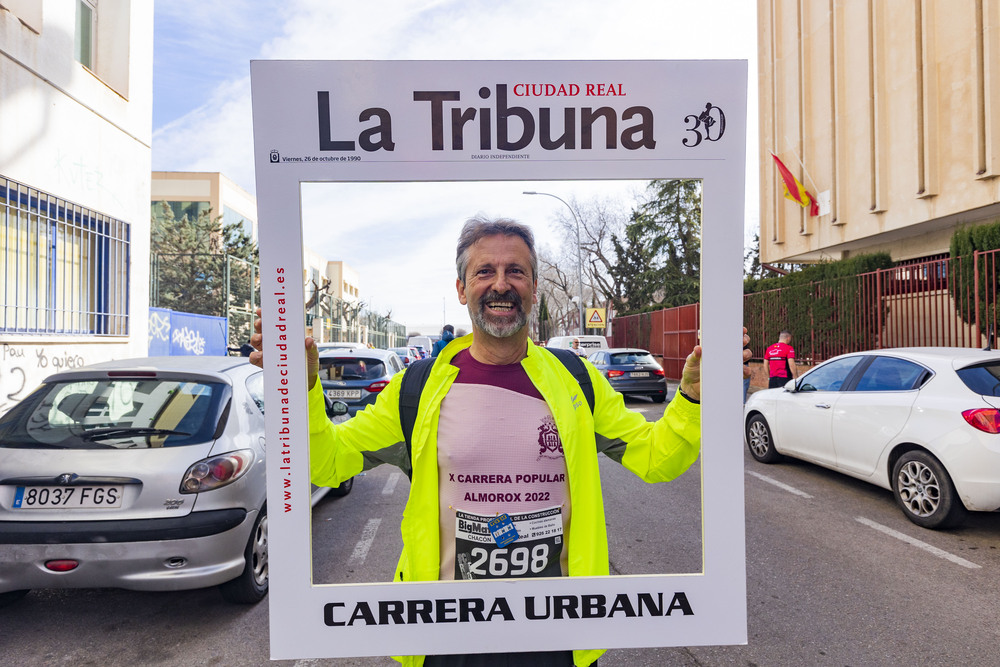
point(202, 115)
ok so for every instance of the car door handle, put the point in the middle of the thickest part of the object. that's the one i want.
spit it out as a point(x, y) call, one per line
point(825, 406)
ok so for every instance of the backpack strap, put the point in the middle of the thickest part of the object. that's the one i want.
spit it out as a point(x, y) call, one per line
point(410, 388)
point(415, 377)
point(578, 368)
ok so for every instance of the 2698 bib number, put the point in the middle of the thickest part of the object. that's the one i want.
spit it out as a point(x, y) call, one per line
point(513, 562)
point(504, 546)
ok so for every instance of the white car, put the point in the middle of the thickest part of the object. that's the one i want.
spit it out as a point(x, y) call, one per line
point(922, 422)
point(588, 342)
point(341, 346)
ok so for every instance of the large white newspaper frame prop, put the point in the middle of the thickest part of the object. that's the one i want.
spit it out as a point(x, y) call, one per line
point(367, 121)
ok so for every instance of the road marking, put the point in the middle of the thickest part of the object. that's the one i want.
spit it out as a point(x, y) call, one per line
point(780, 485)
point(365, 543)
point(390, 484)
point(940, 553)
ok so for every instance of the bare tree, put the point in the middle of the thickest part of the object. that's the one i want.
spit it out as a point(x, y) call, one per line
point(560, 288)
point(601, 219)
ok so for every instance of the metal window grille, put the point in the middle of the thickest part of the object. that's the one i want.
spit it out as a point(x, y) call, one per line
point(64, 268)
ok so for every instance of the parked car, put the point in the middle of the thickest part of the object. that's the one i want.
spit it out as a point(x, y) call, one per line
point(341, 346)
point(587, 342)
point(405, 354)
point(145, 474)
point(357, 376)
point(921, 422)
point(424, 343)
point(632, 372)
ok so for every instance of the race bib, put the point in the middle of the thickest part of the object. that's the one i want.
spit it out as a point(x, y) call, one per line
point(506, 546)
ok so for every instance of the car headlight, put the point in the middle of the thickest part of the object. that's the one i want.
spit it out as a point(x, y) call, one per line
point(217, 471)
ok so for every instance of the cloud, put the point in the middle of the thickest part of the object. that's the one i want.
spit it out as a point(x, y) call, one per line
point(404, 234)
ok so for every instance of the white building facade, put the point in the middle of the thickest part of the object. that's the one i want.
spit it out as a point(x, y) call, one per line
point(75, 137)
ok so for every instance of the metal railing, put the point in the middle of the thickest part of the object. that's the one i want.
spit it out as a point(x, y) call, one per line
point(944, 301)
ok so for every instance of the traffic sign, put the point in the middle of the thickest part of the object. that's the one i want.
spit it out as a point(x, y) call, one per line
point(596, 318)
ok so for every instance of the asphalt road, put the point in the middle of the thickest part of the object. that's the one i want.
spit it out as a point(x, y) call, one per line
point(835, 575)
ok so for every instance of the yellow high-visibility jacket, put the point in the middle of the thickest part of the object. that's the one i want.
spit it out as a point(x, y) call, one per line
point(655, 451)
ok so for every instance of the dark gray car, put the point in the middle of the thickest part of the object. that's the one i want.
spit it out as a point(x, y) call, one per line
point(357, 376)
point(632, 372)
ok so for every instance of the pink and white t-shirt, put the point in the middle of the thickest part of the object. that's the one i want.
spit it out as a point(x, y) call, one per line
point(502, 477)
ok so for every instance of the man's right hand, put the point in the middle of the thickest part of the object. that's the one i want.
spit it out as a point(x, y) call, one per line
point(257, 356)
point(312, 362)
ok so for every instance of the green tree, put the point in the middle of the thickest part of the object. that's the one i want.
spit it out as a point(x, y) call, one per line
point(975, 295)
point(202, 266)
point(636, 271)
point(751, 259)
point(658, 254)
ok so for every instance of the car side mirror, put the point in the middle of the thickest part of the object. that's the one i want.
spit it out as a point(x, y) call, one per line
point(337, 409)
point(790, 386)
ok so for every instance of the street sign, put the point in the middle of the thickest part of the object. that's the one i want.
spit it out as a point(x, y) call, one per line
point(596, 318)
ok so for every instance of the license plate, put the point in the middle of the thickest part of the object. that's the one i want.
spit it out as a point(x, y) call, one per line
point(639, 374)
point(343, 393)
point(68, 497)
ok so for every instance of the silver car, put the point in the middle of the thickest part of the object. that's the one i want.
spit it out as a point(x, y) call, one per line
point(145, 474)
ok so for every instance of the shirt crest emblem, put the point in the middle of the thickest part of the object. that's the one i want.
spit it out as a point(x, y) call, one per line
point(549, 444)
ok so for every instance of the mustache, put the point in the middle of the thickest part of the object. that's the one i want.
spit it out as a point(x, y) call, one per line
point(493, 295)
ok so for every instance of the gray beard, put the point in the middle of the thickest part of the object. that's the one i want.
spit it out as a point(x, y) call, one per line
point(497, 329)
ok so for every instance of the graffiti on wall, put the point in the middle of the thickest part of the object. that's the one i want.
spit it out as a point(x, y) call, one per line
point(186, 334)
point(159, 328)
point(189, 340)
point(23, 367)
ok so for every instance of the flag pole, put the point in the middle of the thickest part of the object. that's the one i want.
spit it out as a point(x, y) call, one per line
point(804, 170)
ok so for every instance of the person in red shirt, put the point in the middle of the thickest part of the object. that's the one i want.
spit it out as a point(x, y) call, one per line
point(780, 359)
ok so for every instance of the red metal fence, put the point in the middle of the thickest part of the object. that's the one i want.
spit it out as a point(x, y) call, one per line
point(669, 333)
point(941, 302)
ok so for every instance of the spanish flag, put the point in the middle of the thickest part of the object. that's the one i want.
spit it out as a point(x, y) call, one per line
point(794, 190)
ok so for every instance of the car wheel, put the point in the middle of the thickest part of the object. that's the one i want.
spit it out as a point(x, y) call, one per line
point(658, 398)
point(925, 492)
point(344, 488)
point(251, 586)
point(759, 440)
point(10, 597)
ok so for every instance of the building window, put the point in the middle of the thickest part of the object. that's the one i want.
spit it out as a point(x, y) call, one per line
point(64, 268)
point(86, 30)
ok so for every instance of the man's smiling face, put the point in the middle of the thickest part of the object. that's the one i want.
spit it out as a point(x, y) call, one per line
point(499, 287)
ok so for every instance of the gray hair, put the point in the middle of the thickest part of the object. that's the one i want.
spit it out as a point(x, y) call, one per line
point(479, 227)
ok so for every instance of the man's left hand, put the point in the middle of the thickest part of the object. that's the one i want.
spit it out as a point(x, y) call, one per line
point(691, 375)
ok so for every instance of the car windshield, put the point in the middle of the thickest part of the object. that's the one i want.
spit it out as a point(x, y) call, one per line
point(984, 379)
point(351, 368)
point(115, 414)
point(632, 358)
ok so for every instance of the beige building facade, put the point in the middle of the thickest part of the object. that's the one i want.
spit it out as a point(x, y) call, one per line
point(888, 112)
point(333, 299)
point(190, 193)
